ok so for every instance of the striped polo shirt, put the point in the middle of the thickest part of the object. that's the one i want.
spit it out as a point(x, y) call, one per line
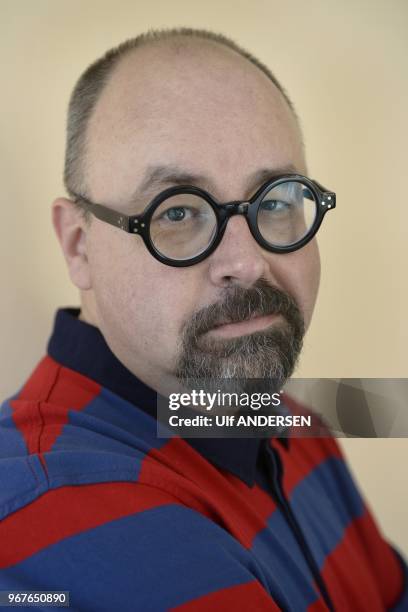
point(94, 503)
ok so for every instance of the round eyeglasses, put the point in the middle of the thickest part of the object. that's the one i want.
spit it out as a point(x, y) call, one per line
point(183, 225)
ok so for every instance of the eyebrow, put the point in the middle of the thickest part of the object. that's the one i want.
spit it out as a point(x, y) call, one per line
point(158, 177)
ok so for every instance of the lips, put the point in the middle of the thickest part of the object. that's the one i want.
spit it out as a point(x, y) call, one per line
point(257, 323)
point(241, 320)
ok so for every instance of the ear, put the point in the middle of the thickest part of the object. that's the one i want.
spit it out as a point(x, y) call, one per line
point(72, 229)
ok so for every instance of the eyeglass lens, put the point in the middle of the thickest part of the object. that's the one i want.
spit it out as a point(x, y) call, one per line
point(286, 214)
point(184, 225)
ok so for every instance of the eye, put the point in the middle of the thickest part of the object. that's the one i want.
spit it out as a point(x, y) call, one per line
point(177, 213)
point(276, 205)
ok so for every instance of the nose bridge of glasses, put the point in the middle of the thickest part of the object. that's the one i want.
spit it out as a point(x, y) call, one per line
point(237, 208)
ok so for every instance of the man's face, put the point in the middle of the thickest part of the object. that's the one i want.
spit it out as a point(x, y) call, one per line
point(206, 113)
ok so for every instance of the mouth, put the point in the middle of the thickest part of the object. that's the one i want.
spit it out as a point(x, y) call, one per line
point(244, 328)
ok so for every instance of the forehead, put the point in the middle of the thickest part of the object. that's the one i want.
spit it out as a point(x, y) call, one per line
point(199, 106)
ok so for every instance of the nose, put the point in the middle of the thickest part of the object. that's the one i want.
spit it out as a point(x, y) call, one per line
point(238, 259)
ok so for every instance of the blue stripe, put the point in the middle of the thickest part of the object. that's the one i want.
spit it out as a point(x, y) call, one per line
point(109, 422)
point(282, 560)
point(90, 467)
point(150, 561)
point(116, 435)
point(325, 504)
point(117, 411)
point(12, 443)
point(22, 480)
point(22, 477)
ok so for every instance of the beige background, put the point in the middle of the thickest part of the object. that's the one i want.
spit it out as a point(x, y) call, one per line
point(344, 63)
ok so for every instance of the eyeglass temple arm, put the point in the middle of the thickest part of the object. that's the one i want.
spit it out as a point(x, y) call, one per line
point(106, 214)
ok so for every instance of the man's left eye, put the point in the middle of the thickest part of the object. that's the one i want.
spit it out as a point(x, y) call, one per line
point(275, 205)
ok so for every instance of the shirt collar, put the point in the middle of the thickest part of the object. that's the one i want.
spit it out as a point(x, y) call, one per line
point(80, 346)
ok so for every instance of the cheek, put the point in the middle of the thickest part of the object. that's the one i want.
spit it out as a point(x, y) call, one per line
point(299, 274)
point(117, 284)
point(309, 279)
point(139, 300)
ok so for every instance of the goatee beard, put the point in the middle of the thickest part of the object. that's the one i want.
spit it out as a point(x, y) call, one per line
point(265, 358)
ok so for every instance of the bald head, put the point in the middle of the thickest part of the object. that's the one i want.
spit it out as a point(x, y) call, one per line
point(156, 72)
point(191, 103)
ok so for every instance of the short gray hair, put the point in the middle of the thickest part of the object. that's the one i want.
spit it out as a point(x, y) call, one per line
point(91, 83)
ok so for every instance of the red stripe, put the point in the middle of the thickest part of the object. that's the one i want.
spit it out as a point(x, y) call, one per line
point(67, 511)
point(241, 598)
point(38, 385)
point(41, 409)
point(362, 572)
point(177, 467)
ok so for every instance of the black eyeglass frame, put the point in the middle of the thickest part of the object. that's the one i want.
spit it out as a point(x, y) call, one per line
point(140, 224)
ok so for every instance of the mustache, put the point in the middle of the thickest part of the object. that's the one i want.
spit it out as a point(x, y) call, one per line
point(241, 304)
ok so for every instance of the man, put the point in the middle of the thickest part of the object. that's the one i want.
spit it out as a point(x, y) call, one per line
point(162, 132)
